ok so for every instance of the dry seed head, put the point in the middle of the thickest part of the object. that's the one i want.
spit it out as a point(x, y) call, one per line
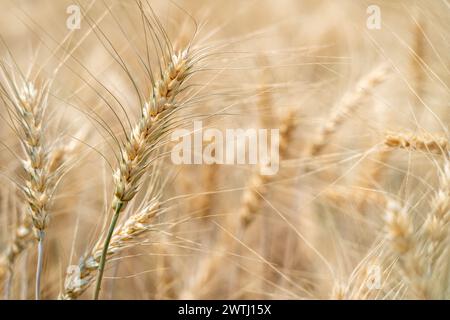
point(123, 237)
point(352, 100)
point(287, 128)
point(251, 200)
point(23, 234)
point(437, 224)
point(30, 105)
point(405, 242)
point(426, 142)
point(22, 238)
point(135, 151)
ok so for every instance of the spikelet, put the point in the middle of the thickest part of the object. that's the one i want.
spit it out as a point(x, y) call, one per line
point(251, 200)
point(124, 236)
point(399, 227)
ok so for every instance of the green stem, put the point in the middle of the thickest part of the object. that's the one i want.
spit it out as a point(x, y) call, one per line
point(41, 235)
point(101, 266)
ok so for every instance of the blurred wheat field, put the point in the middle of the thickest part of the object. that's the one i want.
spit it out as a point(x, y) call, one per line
point(360, 206)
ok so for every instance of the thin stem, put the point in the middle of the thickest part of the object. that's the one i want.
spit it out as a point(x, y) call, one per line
point(101, 266)
point(39, 264)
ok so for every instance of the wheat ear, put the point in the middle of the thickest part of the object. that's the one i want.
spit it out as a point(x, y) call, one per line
point(123, 237)
point(426, 142)
point(347, 105)
point(23, 234)
point(403, 239)
point(436, 234)
point(251, 199)
point(40, 183)
point(28, 103)
point(138, 148)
